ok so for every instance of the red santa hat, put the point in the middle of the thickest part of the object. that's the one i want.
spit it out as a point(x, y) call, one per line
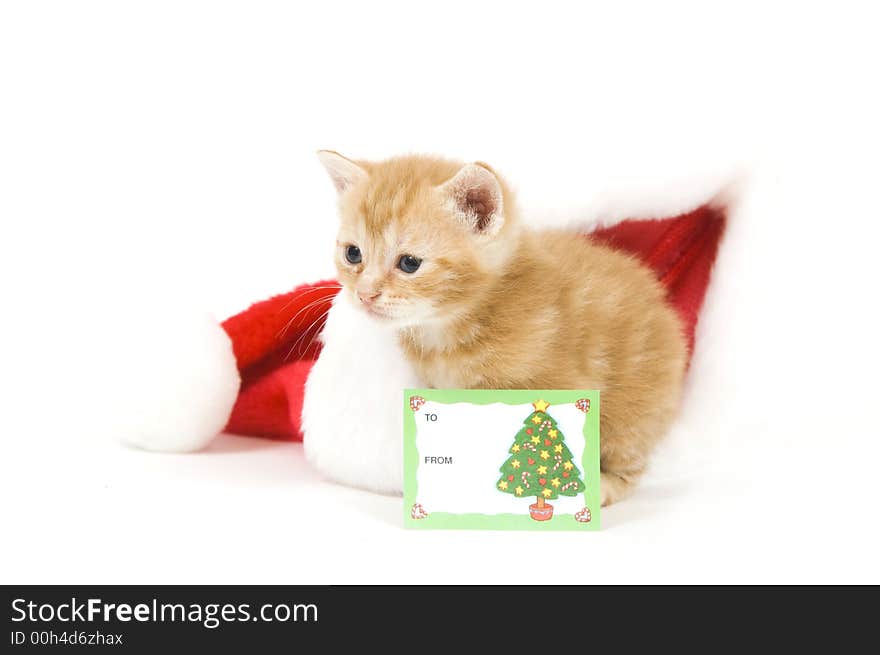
point(276, 341)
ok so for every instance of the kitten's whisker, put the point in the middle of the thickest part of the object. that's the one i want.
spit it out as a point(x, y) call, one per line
point(305, 293)
point(312, 304)
point(314, 334)
point(283, 330)
point(309, 344)
point(323, 315)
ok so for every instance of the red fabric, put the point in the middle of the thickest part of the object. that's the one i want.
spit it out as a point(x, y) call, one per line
point(681, 252)
point(275, 344)
point(275, 341)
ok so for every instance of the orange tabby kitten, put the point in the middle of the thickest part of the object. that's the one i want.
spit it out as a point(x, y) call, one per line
point(435, 249)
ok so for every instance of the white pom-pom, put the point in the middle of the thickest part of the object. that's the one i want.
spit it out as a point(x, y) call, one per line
point(176, 382)
point(356, 441)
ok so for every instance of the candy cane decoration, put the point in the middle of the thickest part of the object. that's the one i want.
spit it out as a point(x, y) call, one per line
point(529, 446)
point(569, 485)
point(583, 516)
point(525, 479)
point(558, 459)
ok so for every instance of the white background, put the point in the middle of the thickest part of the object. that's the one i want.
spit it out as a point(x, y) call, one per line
point(158, 157)
point(478, 439)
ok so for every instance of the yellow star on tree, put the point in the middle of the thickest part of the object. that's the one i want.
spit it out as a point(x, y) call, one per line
point(518, 491)
point(515, 463)
point(540, 405)
point(514, 448)
point(542, 470)
point(568, 465)
point(545, 454)
point(536, 440)
point(547, 493)
point(557, 448)
point(536, 420)
point(552, 433)
point(555, 482)
point(502, 484)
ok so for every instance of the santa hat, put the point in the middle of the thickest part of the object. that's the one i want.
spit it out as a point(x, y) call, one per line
point(276, 342)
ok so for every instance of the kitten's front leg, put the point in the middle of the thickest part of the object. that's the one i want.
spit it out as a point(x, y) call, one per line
point(616, 486)
point(626, 445)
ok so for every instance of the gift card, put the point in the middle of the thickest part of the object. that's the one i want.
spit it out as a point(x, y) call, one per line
point(501, 460)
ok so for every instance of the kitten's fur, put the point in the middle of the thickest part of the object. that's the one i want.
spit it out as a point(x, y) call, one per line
point(495, 305)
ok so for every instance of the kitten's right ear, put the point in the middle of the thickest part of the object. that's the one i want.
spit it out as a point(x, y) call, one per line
point(476, 197)
point(343, 171)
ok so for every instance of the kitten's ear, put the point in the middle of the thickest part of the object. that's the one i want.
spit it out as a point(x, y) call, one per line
point(343, 171)
point(475, 194)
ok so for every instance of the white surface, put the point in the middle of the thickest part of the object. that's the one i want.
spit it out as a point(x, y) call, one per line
point(169, 148)
point(478, 438)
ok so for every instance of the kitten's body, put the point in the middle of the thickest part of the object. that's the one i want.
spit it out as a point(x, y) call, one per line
point(497, 306)
point(569, 315)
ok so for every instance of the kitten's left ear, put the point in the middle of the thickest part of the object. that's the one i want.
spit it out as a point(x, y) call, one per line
point(476, 197)
point(343, 171)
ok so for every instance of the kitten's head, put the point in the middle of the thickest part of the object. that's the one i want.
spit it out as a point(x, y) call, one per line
point(420, 238)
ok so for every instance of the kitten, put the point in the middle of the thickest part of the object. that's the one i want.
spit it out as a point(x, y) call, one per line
point(435, 250)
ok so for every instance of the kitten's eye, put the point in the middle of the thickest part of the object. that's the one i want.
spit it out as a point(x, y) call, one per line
point(353, 255)
point(409, 264)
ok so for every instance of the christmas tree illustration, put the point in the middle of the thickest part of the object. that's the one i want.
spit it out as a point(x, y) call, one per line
point(540, 464)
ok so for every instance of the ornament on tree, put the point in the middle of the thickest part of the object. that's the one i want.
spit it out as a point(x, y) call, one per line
point(415, 402)
point(583, 404)
point(418, 512)
point(548, 486)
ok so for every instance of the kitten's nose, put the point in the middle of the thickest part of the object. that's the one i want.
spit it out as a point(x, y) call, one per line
point(367, 297)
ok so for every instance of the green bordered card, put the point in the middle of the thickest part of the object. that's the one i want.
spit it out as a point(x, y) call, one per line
point(501, 460)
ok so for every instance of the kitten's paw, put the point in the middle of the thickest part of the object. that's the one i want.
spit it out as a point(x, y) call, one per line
point(614, 487)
